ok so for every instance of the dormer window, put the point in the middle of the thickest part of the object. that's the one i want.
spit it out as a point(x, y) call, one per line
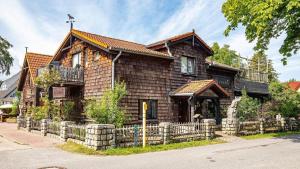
point(187, 65)
point(76, 60)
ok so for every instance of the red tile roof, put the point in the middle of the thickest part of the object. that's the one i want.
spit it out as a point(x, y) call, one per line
point(294, 85)
point(179, 37)
point(117, 44)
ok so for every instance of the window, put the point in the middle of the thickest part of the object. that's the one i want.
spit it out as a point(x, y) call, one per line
point(151, 113)
point(187, 65)
point(76, 60)
point(96, 55)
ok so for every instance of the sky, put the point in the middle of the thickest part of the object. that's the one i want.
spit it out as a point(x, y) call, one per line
point(41, 25)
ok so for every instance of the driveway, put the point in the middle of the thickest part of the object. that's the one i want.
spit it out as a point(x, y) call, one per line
point(263, 153)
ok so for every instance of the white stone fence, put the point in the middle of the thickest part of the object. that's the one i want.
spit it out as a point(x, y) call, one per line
point(236, 127)
point(104, 136)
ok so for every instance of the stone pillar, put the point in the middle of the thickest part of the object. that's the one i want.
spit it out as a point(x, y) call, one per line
point(209, 128)
point(44, 127)
point(230, 126)
point(100, 136)
point(28, 123)
point(261, 126)
point(165, 131)
point(18, 122)
point(64, 130)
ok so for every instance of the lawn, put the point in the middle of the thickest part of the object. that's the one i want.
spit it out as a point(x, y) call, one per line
point(270, 135)
point(77, 148)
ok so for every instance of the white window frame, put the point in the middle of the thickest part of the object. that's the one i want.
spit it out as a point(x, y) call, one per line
point(188, 65)
point(75, 61)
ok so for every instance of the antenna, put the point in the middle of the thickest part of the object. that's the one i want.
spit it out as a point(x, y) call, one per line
point(71, 21)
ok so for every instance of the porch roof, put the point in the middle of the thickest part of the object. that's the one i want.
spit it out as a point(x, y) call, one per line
point(197, 87)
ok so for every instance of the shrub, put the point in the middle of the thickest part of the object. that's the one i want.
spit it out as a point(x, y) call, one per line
point(247, 108)
point(67, 109)
point(286, 101)
point(16, 103)
point(107, 109)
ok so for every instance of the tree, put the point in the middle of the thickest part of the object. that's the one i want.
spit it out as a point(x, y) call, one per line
point(6, 61)
point(285, 101)
point(47, 78)
point(264, 20)
point(107, 109)
point(225, 55)
point(261, 63)
point(247, 108)
point(16, 103)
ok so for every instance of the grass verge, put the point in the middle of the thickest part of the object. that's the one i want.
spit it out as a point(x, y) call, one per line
point(270, 135)
point(77, 148)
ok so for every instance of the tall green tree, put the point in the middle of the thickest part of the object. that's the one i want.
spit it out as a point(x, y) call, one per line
point(225, 55)
point(260, 62)
point(264, 20)
point(6, 60)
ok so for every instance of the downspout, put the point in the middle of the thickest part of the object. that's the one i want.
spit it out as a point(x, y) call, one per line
point(169, 52)
point(113, 69)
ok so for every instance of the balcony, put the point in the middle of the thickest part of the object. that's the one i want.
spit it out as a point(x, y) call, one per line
point(69, 75)
point(253, 75)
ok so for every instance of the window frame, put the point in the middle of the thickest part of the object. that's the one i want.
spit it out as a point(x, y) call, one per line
point(96, 55)
point(149, 115)
point(190, 69)
point(78, 60)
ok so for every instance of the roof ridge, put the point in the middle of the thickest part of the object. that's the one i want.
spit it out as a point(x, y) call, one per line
point(38, 54)
point(170, 37)
point(110, 37)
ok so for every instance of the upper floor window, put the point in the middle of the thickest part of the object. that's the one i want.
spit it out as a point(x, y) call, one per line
point(187, 65)
point(151, 112)
point(76, 59)
point(86, 58)
point(3, 87)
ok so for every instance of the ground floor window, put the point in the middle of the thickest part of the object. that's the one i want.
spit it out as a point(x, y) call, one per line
point(151, 111)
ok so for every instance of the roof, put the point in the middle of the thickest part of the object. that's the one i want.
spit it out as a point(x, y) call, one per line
point(11, 85)
point(33, 61)
point(294, 85)
point(180, 37)
point(199, 86)
point(220, 65)
point(113, 44)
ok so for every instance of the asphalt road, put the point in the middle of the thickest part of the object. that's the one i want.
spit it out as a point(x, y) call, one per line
point(279, 153)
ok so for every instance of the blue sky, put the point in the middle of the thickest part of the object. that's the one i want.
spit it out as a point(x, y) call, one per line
point(40, 25)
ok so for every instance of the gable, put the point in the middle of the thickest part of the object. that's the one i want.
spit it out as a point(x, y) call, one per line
point(191, 37)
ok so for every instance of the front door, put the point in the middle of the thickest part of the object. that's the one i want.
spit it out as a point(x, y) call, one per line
point(183, 110)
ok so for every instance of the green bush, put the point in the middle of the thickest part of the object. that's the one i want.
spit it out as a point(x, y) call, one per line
point(107, 109)
point(285, 101)
point(67, 109)
point(247, 108)
point(16, 103)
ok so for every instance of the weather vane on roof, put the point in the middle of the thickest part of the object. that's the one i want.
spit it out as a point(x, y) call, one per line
point(71, 21)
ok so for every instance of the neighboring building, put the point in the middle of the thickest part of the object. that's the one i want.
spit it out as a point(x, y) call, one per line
point(173, 76)
point(8, 91)
point(295, 86)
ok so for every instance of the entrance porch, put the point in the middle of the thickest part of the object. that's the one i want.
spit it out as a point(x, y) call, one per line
point(198, 100)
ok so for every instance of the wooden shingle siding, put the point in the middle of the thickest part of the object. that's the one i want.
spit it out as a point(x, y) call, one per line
point(145, 78)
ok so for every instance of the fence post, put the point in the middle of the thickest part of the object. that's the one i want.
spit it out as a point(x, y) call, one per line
point(283, 123)
point(209, 128)
point(100, 136)
point(64, 130)
point(165, 131)
point(261, 126)
point(230, 126)
point(18, 122)
point(28, 123)
point(44, 127)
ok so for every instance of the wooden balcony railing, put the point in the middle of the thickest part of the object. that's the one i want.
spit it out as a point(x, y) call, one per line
point(253, 75)
point(68, 75)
